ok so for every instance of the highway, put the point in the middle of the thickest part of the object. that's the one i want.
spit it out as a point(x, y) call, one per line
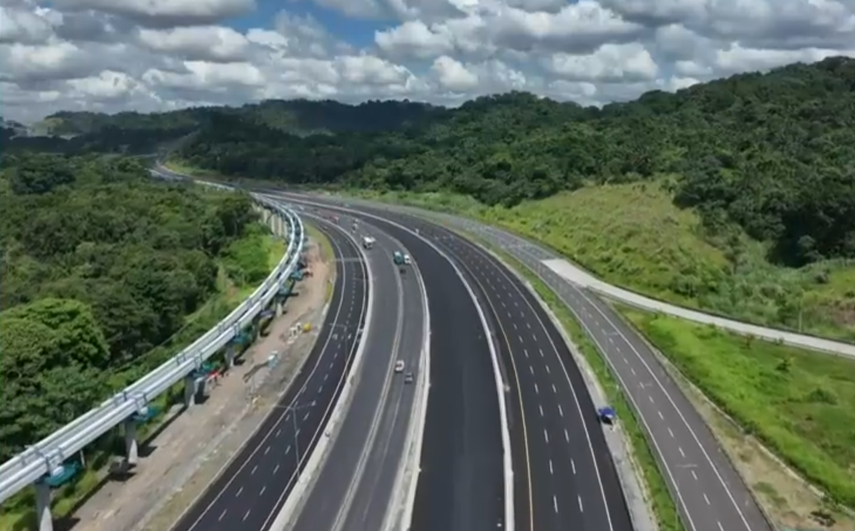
point(461, 484)
point(252, 488)
point(356, 482)
point(710, 494)
point(564, 474)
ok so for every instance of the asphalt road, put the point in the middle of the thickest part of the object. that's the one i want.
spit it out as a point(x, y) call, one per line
point(353, 490)
point(253, 487)
point(709, 491)
point(461, 484)
point(564, 474)
point(710, 494)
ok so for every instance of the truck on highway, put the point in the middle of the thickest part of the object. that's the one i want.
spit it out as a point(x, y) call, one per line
point(368, 242)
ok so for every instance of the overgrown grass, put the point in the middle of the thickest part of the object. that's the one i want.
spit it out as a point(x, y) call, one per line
point(660, 500)
point(800, 404)
point(257, 251)
point(632, 235)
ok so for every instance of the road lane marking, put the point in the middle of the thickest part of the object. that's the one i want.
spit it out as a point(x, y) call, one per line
point(267, 450)
point(581, 509)
point(560, 410)
point(706, 499)
point(253, 470)
point(566, 435)
point(536, 389)
point(573, 466)
point(541, 410)
point(555, 503)
point(222, 514)
point(545, 436)
point(247, 514)
point(239, 491)
point(551, 471)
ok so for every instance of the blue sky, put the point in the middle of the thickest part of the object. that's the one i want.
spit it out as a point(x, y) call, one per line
point(359, 33)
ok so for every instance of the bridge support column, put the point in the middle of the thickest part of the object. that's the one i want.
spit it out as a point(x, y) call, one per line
point(131, 445)
point(230, 356)
point(43, 516)
point(189, 390)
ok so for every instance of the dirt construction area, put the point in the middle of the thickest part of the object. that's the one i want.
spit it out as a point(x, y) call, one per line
point(192, 446)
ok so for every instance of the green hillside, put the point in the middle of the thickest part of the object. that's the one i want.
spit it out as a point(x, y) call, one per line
point(737, 195)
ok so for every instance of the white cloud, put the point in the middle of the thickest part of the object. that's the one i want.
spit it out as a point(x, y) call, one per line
point(165, 54)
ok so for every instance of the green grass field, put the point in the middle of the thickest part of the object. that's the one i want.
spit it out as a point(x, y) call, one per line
point(800, 404)
point(632, 236)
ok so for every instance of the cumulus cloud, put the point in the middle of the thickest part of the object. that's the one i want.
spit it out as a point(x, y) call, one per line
point(166, 54)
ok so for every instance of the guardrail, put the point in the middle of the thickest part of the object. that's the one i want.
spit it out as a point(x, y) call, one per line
point(47, 456)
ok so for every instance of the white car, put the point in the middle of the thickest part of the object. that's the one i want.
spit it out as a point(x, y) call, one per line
point(407, 259)
point(399, 366)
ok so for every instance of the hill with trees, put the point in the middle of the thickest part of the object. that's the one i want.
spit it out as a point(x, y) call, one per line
point(105, 272)
point(759, 168)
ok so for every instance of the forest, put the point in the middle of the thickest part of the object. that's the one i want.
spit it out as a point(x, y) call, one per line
point(102, 268)
point(771, 152)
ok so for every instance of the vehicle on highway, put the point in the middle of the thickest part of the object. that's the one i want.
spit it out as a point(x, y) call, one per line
point(408, 378)
point(407, 259)
point(368, 242)
point(398, 257)
point(399, 366)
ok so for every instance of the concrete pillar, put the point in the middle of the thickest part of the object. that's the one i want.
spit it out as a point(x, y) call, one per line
point(189, 390)
point(230, 355)
point(131, 445)
point(43, 516)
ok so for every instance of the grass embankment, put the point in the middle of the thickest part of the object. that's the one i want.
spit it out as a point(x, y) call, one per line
point(660, 500)
point(632, 235)
point(253, 256)
point(799, 404)
point(327, 254)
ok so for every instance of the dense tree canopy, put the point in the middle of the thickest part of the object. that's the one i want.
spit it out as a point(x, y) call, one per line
point(99, 265)
point(773, 153)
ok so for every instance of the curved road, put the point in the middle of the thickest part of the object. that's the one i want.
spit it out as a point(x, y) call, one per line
point(564, 475)
point(710, 494)
point(250, 491)
point(356, 482)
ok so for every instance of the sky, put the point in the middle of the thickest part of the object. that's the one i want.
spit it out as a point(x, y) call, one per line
point(156, 55)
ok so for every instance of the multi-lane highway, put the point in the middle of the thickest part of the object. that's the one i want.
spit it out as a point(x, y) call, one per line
point(461, 485)
point(251, 490)
point(563, 470)
point(709, 491)
point(567, 477)
point(355, 486)
point(710, 494)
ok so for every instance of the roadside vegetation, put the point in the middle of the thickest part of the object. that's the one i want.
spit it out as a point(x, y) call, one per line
point(106, 274)
point(799, 404)
point(633, 236)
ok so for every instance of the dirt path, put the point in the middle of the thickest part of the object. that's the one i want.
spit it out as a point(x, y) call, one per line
point(191, 447)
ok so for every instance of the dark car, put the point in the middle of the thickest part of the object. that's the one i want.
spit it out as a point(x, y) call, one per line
point(408, 378)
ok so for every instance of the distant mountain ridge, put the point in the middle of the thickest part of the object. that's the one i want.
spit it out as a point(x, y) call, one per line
point(298, 117)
